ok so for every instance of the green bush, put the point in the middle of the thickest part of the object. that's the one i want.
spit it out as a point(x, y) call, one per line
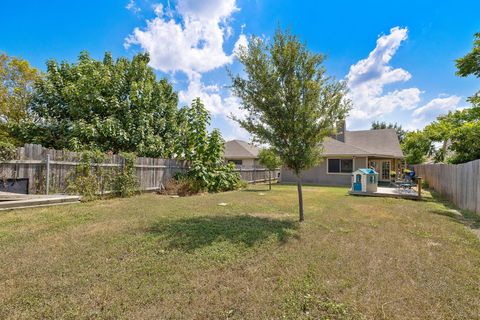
point(7, 151)
point(214, 178)
point(126, 183)
point(89, 179)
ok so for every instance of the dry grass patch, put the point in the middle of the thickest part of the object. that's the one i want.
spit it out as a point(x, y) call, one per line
point(155, 257)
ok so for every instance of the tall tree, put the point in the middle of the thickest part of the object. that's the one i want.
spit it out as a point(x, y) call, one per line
point(106, 105)
point(416, 146)
point(17, 78)
point(270, 160)
point(470, 65)
point(459, 133)
point(290, 102)
point(383, 125)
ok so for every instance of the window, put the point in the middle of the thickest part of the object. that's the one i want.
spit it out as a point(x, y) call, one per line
point(340, 165)
point(236, 162)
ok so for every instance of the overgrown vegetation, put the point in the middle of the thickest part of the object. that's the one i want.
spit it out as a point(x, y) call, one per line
point(7, 151)
point(204, 152)
point(89, 179)
point(115, 106)
point(17, 79)
point(151, 257)
point(126, 183)
point(110, 105)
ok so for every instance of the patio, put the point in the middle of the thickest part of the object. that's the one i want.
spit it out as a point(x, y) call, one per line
point(390, 192)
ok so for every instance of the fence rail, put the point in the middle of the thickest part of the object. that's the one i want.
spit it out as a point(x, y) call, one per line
point(253, 175)
point(458, 183)
point(49, 170)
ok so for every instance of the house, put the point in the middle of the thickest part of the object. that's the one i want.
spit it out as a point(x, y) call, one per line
point(348, 151)
point(241, 153)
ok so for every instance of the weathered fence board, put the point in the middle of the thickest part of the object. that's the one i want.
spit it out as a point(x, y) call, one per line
point(152, 173)
point(30, 163)
point(253, 175)
point(458, 183)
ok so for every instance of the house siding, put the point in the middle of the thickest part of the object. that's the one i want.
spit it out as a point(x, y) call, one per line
point(318, 174)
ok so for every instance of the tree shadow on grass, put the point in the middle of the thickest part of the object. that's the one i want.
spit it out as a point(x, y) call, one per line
point(197, 232)
point(468, 218)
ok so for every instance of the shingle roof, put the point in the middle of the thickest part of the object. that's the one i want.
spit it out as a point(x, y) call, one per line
point(382, 142)
point(335, 147)
point(239, 149)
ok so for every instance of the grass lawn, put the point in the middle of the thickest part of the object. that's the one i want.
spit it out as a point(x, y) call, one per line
point(157, 257)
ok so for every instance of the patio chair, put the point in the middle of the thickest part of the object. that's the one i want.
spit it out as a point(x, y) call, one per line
point(407, 183)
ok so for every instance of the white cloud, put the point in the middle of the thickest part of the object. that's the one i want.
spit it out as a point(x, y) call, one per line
point(192, 45)
point(242, 42)
point(190, 39)
point(368, 77)
point(211, 95)
point(132, 6)
point(435, 107)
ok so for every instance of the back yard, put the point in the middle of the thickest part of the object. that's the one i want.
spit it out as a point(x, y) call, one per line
point(152, 256)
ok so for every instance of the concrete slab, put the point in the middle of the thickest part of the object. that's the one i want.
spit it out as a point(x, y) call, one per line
point(10, 201)
point(389, 192)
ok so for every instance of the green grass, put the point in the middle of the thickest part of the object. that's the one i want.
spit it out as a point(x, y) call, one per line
point(156, 257)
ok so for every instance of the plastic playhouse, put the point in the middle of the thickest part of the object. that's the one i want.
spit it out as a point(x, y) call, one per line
point(365, 180)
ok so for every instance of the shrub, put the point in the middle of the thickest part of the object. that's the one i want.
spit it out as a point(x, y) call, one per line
point(126, 183)
point(7, 151)
point(182, 186)
point(214, 178)
point(89, 178)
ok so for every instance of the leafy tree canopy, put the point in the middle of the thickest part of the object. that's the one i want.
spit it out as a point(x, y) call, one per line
point(459, 133)
point(110, 105)
point(269, 159)
point(416, 147)
point(17, 78)
point(290, 102)
point(470, 65)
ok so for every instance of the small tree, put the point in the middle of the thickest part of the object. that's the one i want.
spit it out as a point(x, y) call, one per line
point(270, 160)
point(416, 146)
point(17, 78)
point(290, 102)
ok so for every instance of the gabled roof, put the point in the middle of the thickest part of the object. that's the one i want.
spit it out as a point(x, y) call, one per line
point(239, 149)
point(382, 142)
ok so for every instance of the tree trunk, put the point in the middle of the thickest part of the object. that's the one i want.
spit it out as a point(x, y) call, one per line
point(269, 180)
point(300, 199)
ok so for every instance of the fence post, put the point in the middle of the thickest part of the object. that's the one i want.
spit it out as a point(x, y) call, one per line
point(419, 183)
point(47, 164)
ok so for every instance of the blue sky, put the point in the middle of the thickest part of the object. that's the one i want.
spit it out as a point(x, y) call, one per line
point(398, 58)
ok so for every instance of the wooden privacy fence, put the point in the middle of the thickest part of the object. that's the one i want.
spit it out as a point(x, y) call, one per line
point(49, 170)
point(252, 175)
point(459, 183)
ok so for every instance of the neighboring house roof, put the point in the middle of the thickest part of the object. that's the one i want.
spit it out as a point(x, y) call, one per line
point(239, 149)
point(382, 142)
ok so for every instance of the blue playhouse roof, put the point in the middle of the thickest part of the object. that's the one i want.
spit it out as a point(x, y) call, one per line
point(368, 171)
